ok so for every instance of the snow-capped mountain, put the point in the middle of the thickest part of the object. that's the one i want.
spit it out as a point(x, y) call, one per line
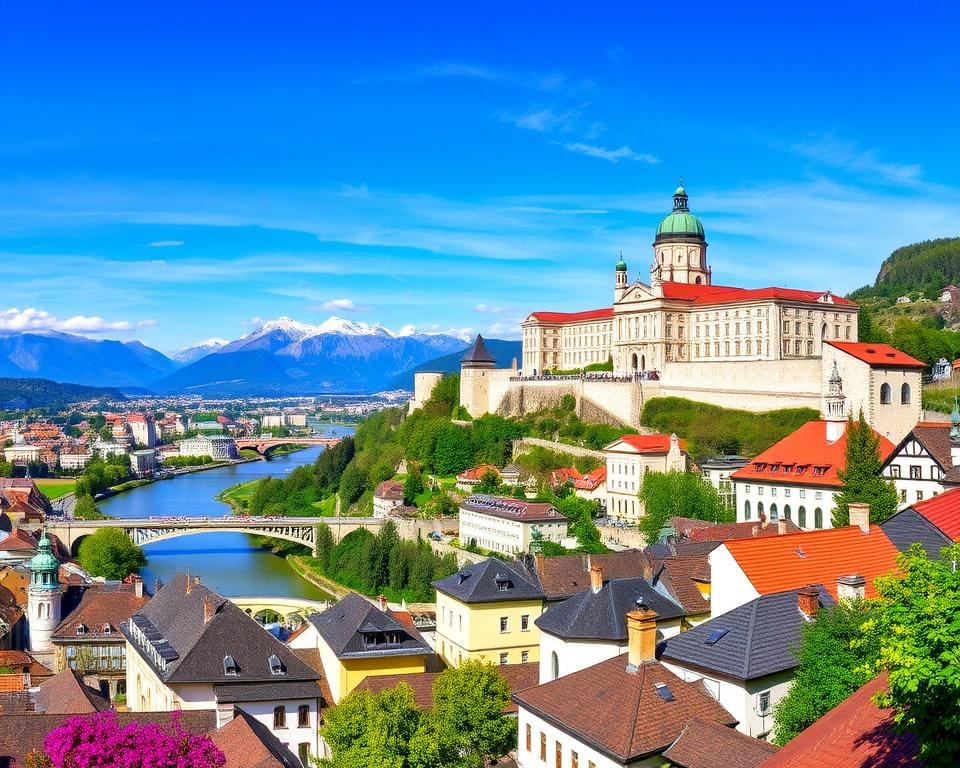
point(198, 350)
point(285, 356)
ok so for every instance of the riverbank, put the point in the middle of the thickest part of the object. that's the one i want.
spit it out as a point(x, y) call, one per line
point(299, 566)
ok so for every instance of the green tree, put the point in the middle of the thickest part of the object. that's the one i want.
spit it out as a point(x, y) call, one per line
point(325, 545)
point(468, 705)
point(413, 485)
point(830, 667)
point(489, 483)
point(917, 624)
point(453, 451)
point(861, 476)
point(86, 509)
point(678, 494)
point(109, 553)
point(580, 513)
point(352, 484)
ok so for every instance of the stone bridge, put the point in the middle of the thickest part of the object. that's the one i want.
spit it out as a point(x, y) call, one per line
point(263, 445)
point(289, 611)
point(299, 530)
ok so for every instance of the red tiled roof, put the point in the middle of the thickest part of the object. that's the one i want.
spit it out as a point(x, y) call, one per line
point(618, 711)
point(856, 732)
point(728, 531)
point(878, 355)
point(704, 744)
point(726, 294)
point(18, 540)
point(390, 489)
point(572, 317)
point(943, 511)
point(648, 443)
point(681, 575)
point(477, 473)
point(592, 480)
point(804, 457)
point(247, 744)
point(794, 560)
point(564, 475)
point(25, 663)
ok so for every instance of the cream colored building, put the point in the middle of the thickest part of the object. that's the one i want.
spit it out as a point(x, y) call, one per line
point(502, 524)
point(22, 453)
point(628, 460)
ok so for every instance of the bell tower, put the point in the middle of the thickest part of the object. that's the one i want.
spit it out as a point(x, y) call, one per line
point(43, 598)
point(620, 279)
point(680, 247)
point(835, 401)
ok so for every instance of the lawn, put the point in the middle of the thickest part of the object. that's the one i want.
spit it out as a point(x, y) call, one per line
point(55, 488)
point(239, 494)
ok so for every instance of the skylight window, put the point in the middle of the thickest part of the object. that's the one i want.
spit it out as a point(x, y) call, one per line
point(230, 666)
point(276, 666)
point(663, 691)
point(715, 636)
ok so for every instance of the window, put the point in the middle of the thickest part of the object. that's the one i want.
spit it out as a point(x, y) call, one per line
point(884, 394)
point(557, 754)
point(504, 658)
point(894, 470)
point(919, 495)
point(802, 493)
point(903, 496)
point(229, 666)
point(760, 510)
point(915, 471)
point(763, 702)
point(802, 517)
point(554, 665)
point(774, 514)
point(529, 737)
point(303, 752)
point(818, 518)
point(279, 717)
point(746, 509)
point(504, 623)
point(524, 657)
point(786, 512)
point(574, 759)
point(524, 622)
point(303, 716)
point(905, 394)
point(276, 666)
point(543, 746)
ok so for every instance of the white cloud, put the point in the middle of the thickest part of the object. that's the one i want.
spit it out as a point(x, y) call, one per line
point(166, 243)
point(31, 319)
point(542, 120)
point(848, 156)
point(487, 309)
point(339, 305)
point(612, 155)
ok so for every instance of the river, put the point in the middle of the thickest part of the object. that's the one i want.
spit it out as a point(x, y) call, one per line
point(227, 562)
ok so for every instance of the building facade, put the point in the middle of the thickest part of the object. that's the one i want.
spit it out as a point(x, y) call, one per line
point(628, 460)
point(502, 524)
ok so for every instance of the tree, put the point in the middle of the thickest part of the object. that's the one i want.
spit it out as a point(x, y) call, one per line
point(678, 494)
point(352, 483)
point(829, 668)
point(109, 553)
point(325, 545)
point(489, 483)
point(453, 450)
point(468, 705)
point(99, 740)
point(413, 485)
point(580, 514)
point(86, 509)
point(917, 623)
point(861, 476)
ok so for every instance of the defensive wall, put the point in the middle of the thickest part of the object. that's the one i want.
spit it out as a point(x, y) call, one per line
point(522, 444)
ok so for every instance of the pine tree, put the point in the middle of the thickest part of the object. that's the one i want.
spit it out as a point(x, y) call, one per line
point(862, 476)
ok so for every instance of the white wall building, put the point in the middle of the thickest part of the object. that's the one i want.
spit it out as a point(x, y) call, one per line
point(628, 459)
point(926, 462)
point(75, 461)
point(217, 447)
point(506, 525)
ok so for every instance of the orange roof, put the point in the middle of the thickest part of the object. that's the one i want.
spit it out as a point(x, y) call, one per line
point(572, 317)
point(477, 473)
point(794, 560)
point(648, 443)
point(592, 480)
point(726, 294)
point(878, 355)
point(564, 475)
point(943, 511)
point(804, 457)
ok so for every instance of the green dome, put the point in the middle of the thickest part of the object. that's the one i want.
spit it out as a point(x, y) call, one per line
point(621, 265)
point(680, 222)
point(44, 559)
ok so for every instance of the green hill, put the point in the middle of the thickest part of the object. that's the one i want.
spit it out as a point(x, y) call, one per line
point(20, 394)
point(920, 270)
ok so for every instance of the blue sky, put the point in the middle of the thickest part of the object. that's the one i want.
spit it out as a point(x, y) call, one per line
point(173, 174)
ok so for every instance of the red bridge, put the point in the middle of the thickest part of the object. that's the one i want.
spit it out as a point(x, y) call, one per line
point(263, 445)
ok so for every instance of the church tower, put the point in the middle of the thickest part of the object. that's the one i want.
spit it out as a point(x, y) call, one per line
point(836, 402)
point(620, 279)
point(680, 247)
point(43, 597)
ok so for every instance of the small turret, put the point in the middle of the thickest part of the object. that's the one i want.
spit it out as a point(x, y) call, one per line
point(620, 279)
point(43, 596)
point(835, 402)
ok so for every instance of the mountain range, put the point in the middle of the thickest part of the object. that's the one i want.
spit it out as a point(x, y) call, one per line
point(281, 357)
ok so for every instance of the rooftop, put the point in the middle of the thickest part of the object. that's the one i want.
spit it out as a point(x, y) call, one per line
point(746, 530)
point(247, 743)
point(513, 509)
point(706, 744)
point(606, 313)
point(103, 608)
point(564, 575)
point(488, 581)
point(711, 295)
point(644, 444)
point(943, 511)
point(878, 355)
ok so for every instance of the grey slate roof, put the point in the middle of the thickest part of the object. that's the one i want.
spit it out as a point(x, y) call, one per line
point(341, 627)
point(482, 582)
point(761, 639)
point(603, 615)
point(229, 693)
point(196, 649)
point(909, 526)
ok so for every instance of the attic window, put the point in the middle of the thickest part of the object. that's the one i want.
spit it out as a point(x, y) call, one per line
point(774, 467)
point(801, 468)
point(81, 630)
point(230, 666)
point(818, 471)
point(759, 466)
point(276, 666)
point(715, 636)
point(503, 583)
point(462, 577)
point(663, 691)
point(106, 629)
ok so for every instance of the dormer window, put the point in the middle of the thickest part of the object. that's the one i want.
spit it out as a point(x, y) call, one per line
point(106, 629)
point(230, 666)
point(81, 630)
point(276, 666)
point(503, 583)
point(381, 639)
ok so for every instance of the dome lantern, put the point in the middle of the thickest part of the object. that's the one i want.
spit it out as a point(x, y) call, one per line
point(680, 223)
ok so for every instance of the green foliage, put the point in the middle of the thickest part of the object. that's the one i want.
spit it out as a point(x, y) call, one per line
point(862, 480)
point(101, 474)
point(453, 450)
point(489, 483)
point(679, 494)
point(187, 461)
point(830, 667)
point(711, 430)
point(917, 624)
point(928, 267)
point(581, 526)
point(109, 553)
point(6, 468)
point(413, 484)
point(86, 509)
point(563, 425)
point(542, 461)
point(50, 396)
point(924, 340)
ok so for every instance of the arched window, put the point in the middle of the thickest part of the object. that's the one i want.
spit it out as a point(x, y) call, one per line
point(802, 517)
point(760, 511)
point(884, 394)
point(699, 280)
point(905, 394)
point(746, 510)
point(786, 512)
point(818, 518)
point(554, 665)
point(774, 514)
point(279, 717)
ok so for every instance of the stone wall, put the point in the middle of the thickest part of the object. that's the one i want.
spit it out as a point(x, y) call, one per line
point(522, 444)
point(617, 403)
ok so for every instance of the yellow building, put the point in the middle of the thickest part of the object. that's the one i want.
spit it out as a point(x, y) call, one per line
point(487, 611)
point(356, 640)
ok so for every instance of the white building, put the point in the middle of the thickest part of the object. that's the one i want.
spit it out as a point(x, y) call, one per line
point(506, 525)
point(926, 462)
point(143, 463)
point(143, 428)
point(628, 459)
point(717, 471)
point(217, 447)
point(22, 454)
point(75, 461)
point(104, 448)
point(387, 498)
point(271, 421)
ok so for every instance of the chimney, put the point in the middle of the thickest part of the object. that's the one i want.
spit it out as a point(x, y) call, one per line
point(641, 635)
point(138, 586)
point(209, 609)
point(586, 561)
point(382, 602)
point(860, 515)
point(538, 563)
point(781, 526)
point(596, 578)
point(808, 600)
point(852, 587)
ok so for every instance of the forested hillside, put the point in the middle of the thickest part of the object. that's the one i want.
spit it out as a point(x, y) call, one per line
point(17, 393)
point(925, 267)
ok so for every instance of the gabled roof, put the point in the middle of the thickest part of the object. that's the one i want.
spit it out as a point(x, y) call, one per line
point(573, 317)
point(753, 640)
point(603, 615)
point(592, 480)
point(804, 457)
point(618, 711)
point(877, 355)
point(644, 444)
point(909, 527)
point(943, 511)
point(856, 732)
point(934, 436)
point(726, 531)
point(24, 662)
point(343, 625)
point(490, 581)
point(565, 575)
point(705, 744)
point(106, 605)
point(680, 576)
point(778, 563)
point(66, 693)
point(247, 743)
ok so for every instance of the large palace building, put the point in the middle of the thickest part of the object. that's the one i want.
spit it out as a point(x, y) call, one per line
point(682, 316)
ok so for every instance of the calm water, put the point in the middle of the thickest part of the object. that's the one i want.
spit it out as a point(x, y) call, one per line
point(228, 562)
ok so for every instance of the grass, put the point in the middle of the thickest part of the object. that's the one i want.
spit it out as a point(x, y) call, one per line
point(327, 506)
point(238, 494)
point(55, 488)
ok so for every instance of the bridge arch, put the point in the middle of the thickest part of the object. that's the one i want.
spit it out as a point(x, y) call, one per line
point(143, 536)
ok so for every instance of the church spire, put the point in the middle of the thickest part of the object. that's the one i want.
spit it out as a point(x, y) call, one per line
point(955, 421)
